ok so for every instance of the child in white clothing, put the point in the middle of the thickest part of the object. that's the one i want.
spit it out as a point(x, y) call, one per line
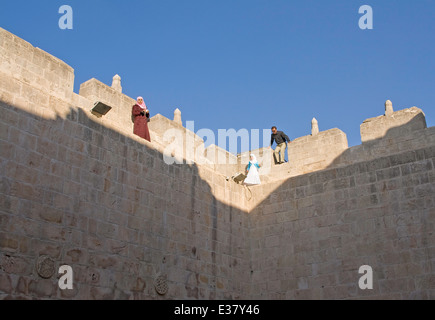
point(253, 177)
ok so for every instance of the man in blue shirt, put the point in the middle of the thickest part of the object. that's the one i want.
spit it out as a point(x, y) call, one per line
point(280, 138)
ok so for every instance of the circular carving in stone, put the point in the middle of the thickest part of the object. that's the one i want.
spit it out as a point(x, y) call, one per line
point(161, 285)
point(45, 267)
point(7, 264)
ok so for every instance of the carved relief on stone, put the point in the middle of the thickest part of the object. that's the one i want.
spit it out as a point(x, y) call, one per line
point(161, 284)
point(45, 267)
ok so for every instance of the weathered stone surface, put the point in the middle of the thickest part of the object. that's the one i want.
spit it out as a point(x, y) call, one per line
point(87, 193)
point(393, 123)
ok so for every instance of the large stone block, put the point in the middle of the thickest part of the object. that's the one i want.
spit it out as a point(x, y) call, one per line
point(393, 126)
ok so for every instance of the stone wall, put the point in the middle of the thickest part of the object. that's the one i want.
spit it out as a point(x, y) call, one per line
point(313, 232)
point(379, 127)
point(121, 105)
point(113, 210)
point(316, 152)
point(34, 68)
point(305, 154)
point(75, 190)
point(82, 190)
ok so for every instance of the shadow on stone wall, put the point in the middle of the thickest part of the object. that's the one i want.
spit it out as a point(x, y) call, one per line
point(313, 232)
point(77, 193)
point(398, 139)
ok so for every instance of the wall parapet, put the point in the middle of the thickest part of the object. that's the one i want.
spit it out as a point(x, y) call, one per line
point(35, 67)
point(120, 114)
point(378, 127)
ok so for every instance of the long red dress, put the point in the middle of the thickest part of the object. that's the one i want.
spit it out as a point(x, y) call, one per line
point(140, 127)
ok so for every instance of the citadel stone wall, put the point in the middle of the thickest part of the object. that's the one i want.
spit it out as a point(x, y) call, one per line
point(80, 189)
point(313, 232)
point(77, 191)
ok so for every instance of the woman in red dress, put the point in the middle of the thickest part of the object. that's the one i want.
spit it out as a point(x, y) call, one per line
point(141, 115)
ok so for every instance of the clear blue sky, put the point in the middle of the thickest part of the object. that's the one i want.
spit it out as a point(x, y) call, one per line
point(247, 63)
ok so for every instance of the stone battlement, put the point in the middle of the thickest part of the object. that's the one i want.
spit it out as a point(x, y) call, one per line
point(34, 79)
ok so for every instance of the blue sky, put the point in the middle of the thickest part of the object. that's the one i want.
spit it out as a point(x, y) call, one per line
point(247, 63)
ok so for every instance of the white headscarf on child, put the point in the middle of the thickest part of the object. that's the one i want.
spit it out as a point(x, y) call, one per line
point(254, 159)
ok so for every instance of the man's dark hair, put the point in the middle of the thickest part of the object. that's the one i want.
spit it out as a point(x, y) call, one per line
point(273, 127)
